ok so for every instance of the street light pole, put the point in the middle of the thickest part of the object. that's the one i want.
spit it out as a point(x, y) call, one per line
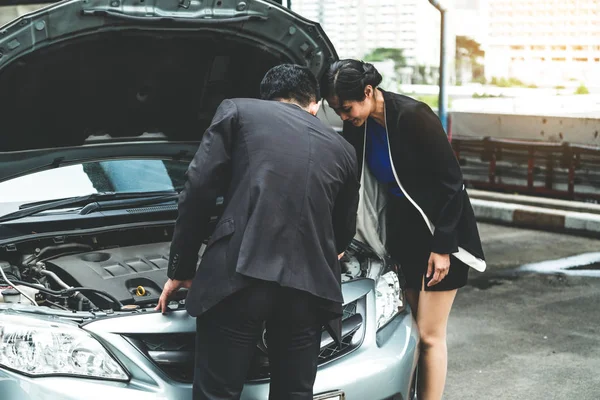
point(443, 83)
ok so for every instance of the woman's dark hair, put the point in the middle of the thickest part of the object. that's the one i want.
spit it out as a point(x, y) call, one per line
point(290, 82)
point(347, 79)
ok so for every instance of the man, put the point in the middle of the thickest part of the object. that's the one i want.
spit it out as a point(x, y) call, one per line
point(290, 199)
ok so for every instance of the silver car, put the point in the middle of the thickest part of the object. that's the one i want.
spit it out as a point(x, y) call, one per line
point(102, 106)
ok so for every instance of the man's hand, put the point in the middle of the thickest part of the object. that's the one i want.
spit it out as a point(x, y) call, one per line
point(439, 265)
point(341, 255)
point(170, 288)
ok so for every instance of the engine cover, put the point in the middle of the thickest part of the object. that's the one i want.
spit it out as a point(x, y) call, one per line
point(118, 271)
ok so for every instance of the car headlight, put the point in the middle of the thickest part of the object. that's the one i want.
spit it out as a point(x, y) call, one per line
point(36, 347)
point(389, 299)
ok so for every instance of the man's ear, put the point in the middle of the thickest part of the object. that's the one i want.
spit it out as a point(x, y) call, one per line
point(313, 107)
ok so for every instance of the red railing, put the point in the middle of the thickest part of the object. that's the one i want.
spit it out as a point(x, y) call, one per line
point(559, 170)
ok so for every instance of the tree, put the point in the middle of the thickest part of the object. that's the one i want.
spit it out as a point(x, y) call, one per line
point(466, 46)
point(469, 52)
point(386, 53)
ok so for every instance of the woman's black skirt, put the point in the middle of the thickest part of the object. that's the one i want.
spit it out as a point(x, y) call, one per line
point(409, 244)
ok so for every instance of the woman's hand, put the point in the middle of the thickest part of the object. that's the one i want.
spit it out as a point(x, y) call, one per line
point(439, 265)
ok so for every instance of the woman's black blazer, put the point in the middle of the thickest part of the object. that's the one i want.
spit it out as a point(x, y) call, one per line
point(428, 170)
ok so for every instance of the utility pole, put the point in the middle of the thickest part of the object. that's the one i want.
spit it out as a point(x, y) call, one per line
point(443, 95)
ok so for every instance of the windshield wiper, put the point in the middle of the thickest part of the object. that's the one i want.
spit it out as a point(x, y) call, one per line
point(122, 203)
point(136, 199)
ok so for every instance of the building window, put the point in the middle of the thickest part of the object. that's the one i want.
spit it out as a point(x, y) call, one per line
point(580, 59)
point(561, 59)
point(559, 48)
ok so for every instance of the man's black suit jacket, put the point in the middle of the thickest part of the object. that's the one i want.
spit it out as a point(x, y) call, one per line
point(290, 187)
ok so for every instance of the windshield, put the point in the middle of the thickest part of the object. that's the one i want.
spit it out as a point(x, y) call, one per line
point(119, 176)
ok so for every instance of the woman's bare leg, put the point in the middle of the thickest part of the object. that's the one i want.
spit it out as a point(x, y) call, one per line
point(433, 310)
point(412, 298)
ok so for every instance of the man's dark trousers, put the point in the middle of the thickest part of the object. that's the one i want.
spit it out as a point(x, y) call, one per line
point(227, 336)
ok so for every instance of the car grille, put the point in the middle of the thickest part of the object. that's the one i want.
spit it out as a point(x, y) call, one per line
point(332, 350)
point(174, 353)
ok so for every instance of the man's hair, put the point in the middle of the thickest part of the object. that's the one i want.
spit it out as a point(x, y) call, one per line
point(290, 82)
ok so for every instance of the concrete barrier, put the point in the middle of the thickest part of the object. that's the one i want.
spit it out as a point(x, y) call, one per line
point(535, 217)
point(556, 204)
point(574, 130)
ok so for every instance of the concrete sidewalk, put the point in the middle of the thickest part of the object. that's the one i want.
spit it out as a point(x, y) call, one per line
point(537, 213)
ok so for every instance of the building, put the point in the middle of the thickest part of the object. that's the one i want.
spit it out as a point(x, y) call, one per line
point(358, 26)
point(470, 19)
point(544, 42)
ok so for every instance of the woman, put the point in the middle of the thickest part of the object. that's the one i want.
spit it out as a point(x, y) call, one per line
point(413, 205)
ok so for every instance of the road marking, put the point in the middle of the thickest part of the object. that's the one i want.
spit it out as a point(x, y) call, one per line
point(566, 265)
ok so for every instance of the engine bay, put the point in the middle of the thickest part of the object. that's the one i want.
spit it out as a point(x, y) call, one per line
point(133, 274)
point(94, 273)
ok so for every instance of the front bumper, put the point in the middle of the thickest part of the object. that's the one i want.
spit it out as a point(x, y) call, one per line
point(381, 368)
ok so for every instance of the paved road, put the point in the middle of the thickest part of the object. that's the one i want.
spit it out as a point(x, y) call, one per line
point(522, 335)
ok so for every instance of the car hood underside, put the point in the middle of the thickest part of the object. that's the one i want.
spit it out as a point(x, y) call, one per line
point(94, 73)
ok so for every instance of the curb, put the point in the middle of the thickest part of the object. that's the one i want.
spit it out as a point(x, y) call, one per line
point(557, 204)
point(527, 216)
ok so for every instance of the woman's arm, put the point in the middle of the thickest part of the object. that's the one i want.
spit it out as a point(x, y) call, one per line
point(426, 133)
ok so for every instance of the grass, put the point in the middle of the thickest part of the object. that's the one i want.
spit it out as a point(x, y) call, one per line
point(486, 95)
point(432, 100)
point(582, 89)
point(511, 82)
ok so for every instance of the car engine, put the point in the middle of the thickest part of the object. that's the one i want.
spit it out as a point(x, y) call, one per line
point(77, 277)
point(133, 274)
point(128, 276)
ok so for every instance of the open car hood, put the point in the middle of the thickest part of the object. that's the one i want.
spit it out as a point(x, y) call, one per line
point(97, 79)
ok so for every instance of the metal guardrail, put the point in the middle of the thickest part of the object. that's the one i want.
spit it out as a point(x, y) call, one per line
point(557, 170)
point(554, 170)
